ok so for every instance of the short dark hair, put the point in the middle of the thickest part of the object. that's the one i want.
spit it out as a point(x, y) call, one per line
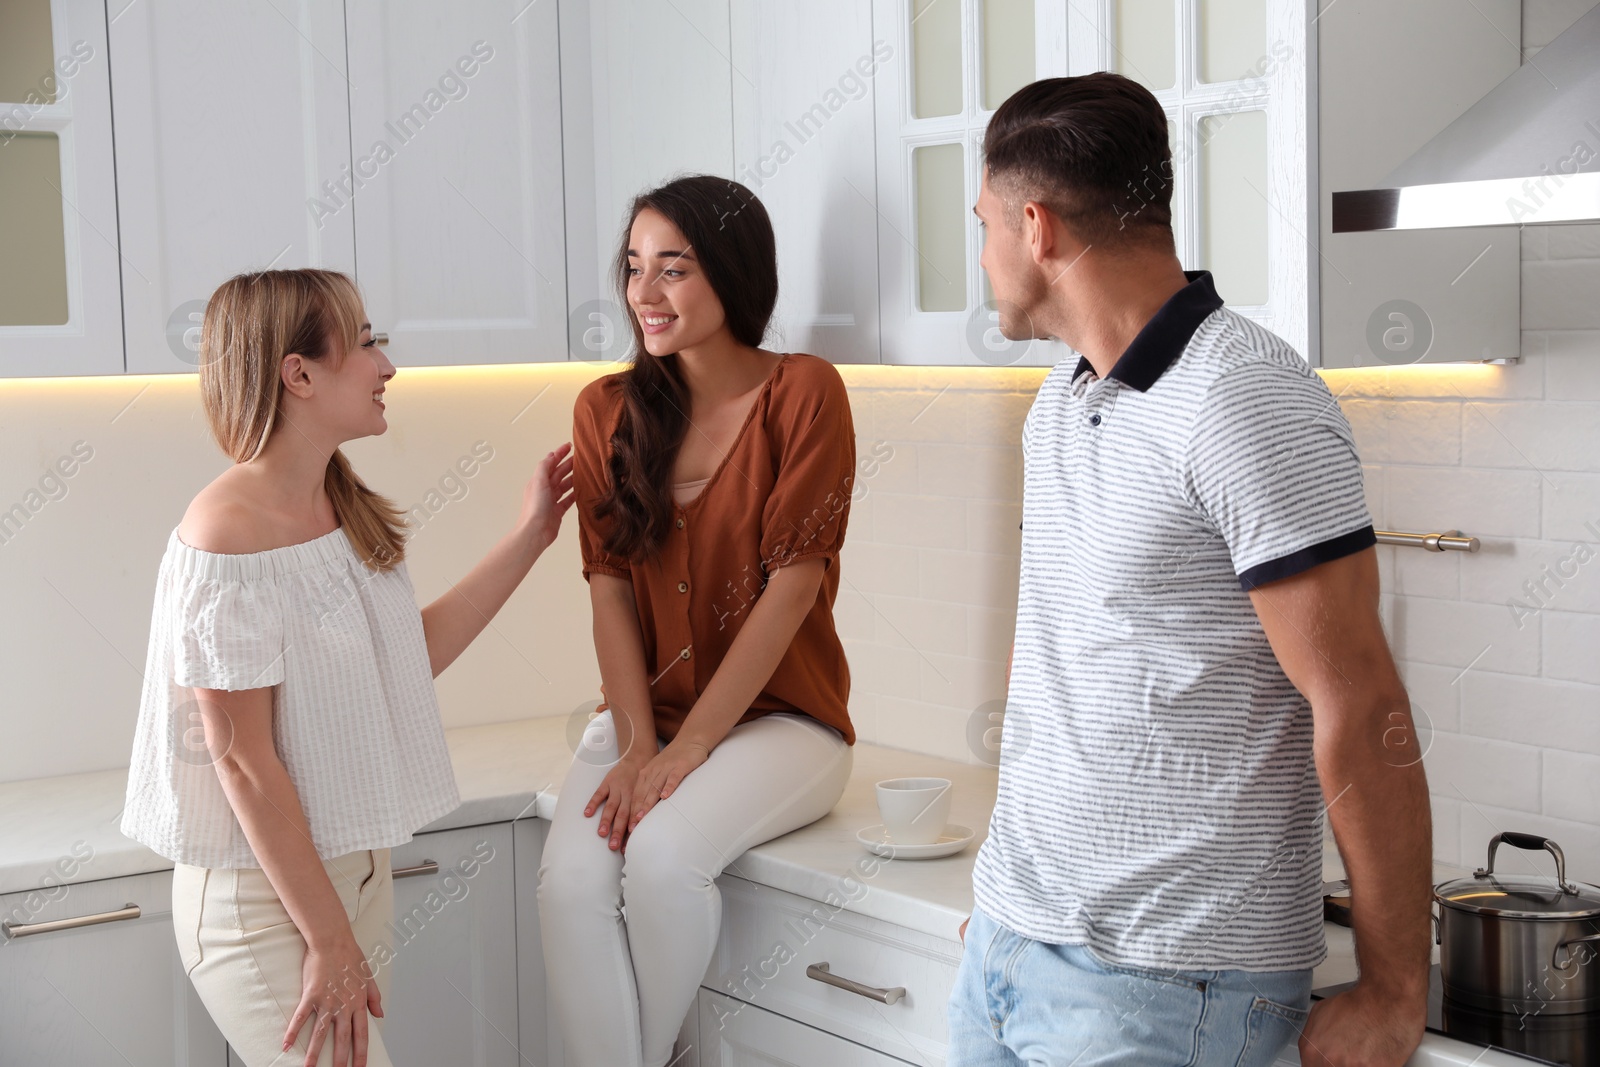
point(1093, 149)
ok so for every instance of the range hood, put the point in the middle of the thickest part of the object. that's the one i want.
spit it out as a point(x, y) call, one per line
point(1528, 152)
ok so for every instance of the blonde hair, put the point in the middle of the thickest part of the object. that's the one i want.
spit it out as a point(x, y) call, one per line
point(252, 322)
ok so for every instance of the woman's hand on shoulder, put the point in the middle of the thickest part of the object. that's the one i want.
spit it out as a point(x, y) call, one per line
point(663, 774)
point(547, 497)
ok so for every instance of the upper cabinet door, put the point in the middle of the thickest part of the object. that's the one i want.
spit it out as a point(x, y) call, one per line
point(1232, 76)
point(59, 302)
point(232, 125)
point(803, 143)
point(948, 65)
point(1393, 75)
point(455, 178)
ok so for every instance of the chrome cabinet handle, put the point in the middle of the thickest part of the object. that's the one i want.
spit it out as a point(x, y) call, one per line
point(425, 867)
point(127, 911)
point(380, 338)
point(820, 972)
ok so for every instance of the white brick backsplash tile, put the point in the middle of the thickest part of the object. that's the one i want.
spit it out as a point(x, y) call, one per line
point(853, 617)
point(1537, 711)
point(962, 682)
point(1548, 436)
point(1500, 773)
point(991, 631)
point(920, 521)
point(927, 728)
point(1451, 633)
point(1571, 785)
point(1579, 840)
point(878, 568)
point(1571, 646)
point(1571, 506)
point(884, 467)
point(938, 415)
point(1433, 692)
point(1563, 575)
point(1446, 830)
point(970, 471)
point(1414, 431)
point(997, 419)
point(881, 669)
point(1571, 240)
point(1558, 294)
point(1481, 503)
point(1418, 572)
point(1572, 365)
point(994, 528)
point(972, 578)
point(1439, 381)
point(924, 625)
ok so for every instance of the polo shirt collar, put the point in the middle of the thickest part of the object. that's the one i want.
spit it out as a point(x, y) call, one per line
point(1165, 336)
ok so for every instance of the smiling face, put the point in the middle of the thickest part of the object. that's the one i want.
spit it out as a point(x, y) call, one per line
point(668, 291)
point(347, 388)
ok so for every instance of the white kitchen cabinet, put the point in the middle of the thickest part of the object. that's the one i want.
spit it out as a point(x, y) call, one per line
point(232, 126)
point(455, 172)
point(541, 1045)
point(60, 305)
point(803, 143)
point(733, 1034)
point(764, 957)
point(111, 994)
point(453, 990)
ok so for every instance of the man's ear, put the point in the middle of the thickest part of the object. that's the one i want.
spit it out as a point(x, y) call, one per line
point(296, 375)
point(1039, 229)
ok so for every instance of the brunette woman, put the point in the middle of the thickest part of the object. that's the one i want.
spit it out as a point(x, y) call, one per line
point(713, 481)
point(288, 734)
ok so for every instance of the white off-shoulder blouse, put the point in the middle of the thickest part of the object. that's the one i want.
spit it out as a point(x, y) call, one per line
point(355, 719)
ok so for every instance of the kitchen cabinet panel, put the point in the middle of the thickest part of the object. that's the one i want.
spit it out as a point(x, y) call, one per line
point(540, 1043)
point(802, 78)
point(60, 299)
point(455, 179)
point(112, 994)
point(734, 1034)
point(453, 993)
point(232, 126)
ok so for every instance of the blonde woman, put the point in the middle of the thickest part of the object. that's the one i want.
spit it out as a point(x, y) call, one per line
point(289, 734)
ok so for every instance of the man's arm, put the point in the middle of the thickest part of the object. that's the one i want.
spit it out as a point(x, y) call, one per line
point(1323, 625)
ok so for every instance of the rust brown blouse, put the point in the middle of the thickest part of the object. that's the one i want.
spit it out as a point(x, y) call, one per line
point(780, 495)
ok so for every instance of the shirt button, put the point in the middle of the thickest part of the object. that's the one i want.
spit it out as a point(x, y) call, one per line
point(683, 587)
point(684, 654)
point(680, 524)
point(1094, 420)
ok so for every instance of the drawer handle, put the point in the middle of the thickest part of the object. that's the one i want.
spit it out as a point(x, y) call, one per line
point(425, 867)
point(128, 911)
point(820, 972)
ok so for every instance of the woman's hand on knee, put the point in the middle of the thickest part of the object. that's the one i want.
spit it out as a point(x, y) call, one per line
point(614, 800)
point(339, 986)
point(663, 774)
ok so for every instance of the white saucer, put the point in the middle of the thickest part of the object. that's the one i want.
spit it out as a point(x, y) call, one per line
point(953, 840)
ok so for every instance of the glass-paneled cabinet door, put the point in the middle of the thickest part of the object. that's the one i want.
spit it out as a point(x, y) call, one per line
point(60, 304)
point(949, 65)
point(1232, 76)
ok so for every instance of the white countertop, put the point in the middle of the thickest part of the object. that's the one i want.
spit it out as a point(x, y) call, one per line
point(513, 770)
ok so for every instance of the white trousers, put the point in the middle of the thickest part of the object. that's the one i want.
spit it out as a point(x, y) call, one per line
point(620, 986)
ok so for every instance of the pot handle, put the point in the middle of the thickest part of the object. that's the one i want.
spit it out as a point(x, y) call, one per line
point(1562, 948)
point(1531, 843)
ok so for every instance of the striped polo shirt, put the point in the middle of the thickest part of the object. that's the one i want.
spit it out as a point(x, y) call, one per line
point(1158, 801)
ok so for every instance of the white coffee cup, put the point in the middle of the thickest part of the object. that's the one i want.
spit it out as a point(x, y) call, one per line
point(914, 810)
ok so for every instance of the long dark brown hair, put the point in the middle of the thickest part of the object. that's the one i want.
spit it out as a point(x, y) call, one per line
point(732, 240)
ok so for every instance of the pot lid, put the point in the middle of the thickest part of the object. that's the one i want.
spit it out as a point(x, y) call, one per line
point(1516, 897)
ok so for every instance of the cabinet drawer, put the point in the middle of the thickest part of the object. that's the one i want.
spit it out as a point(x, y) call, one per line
point(735, 1034)
point(770, 938)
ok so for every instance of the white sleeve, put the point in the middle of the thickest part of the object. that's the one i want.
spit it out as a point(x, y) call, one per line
point(230, 634)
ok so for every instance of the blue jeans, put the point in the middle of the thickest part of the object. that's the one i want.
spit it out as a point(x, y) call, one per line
point(1023, 1002)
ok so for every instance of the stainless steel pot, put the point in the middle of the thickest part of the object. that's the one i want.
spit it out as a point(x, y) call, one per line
point(1520, 944)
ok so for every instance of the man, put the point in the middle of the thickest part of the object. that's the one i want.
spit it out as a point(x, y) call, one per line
point(1199, 668)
